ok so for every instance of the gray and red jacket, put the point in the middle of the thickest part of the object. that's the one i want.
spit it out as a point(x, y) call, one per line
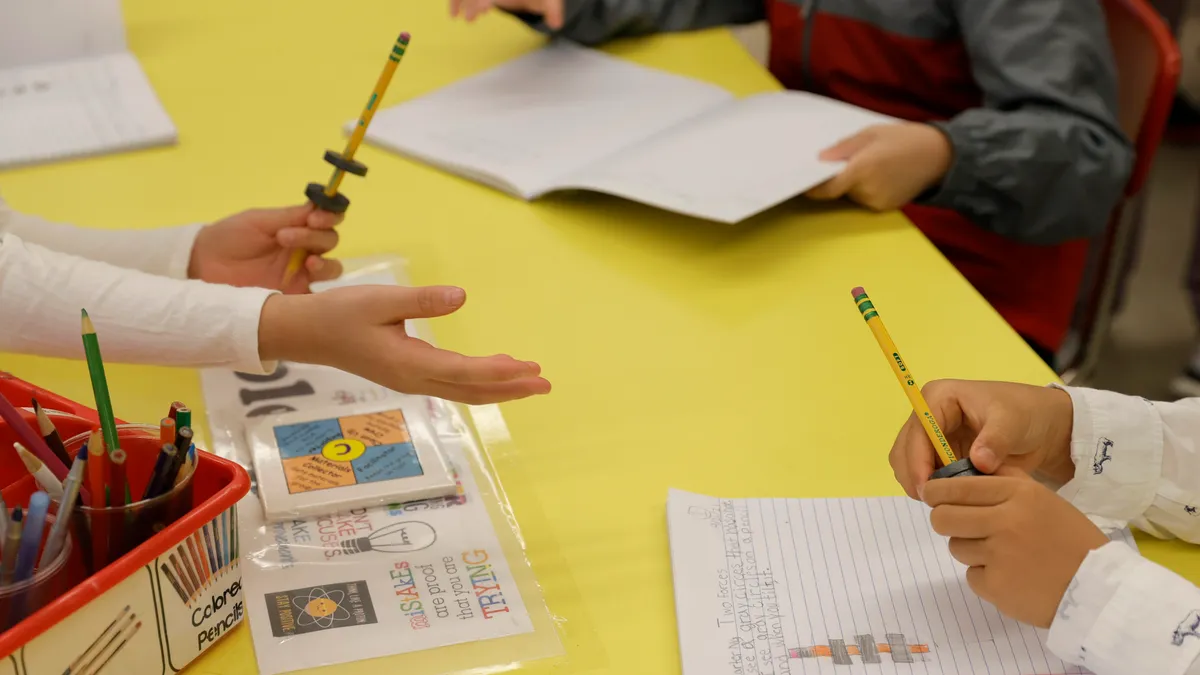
point(1025, 89)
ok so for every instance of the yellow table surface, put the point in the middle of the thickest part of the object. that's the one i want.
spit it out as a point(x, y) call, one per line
point(727, 360)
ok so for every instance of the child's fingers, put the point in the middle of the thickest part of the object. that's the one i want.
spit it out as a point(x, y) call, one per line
point(313, 241)
point(324, 220)
point(455, 6)
point(847, 147)
point(554, 14)
point(970, 552)
point(453, 368)
point(322, 269)
point(836, 187)
point(967, 522)
point(495, 392)
point(969, 491)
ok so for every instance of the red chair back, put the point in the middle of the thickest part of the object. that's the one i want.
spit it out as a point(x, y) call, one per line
point(1148, 67)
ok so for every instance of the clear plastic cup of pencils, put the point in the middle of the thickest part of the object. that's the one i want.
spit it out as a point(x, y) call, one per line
point(50, 580)
point(135, 492)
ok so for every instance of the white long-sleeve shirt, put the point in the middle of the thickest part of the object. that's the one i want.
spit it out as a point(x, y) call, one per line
point(1136, 463)
point(134, 285)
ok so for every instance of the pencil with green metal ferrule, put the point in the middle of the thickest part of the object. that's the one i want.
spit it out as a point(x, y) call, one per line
point(91, 349)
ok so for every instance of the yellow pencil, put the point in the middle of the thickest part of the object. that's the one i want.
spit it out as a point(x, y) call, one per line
point(327, 198)
point(907, 381)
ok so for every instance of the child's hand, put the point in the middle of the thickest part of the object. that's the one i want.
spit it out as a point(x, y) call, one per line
point(1022, 542)
point(550, 10)
point(997, 423)
point(360, 329)
point(887, 166)
point(252, 248)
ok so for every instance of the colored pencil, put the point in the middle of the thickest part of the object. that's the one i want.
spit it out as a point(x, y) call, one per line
point(12, 543)
point(3, 519)
point(175, 409)
point(198, 543)
point(225, 537)
point(119, 493)
point(91, 348)
point(174, 582)
point(166, 457)
point(183, 418)
point(30, 439)
point(187, 586)
point(220, 545)
point(31, 536)
point(296, 262)
point(209, 548)
point(125, 637)
point(78, 662)
point(187, 567)
point(58, 531)
point(41, 473)
point(189, 466)
point(50, 434)
point(166, 431)
point(97, 468)
point(908, 382)
point(89, 668)
point(196, 564)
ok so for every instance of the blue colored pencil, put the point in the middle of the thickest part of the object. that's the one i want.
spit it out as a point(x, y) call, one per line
point(209, 549)
point(31, 536)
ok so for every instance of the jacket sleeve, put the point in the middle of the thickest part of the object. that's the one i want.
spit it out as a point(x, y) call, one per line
point(592, 22)
point(1136, 462)
point(1044, 159)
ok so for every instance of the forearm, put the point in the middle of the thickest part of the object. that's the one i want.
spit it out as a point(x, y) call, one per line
point(1036, 176)
point(163, 251)
point(1136, 462)
point(592, 22)
point(1124, 615)
point(140, 318)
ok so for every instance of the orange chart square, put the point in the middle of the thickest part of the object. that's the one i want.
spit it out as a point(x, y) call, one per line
point(316, 472)
point(381, 428)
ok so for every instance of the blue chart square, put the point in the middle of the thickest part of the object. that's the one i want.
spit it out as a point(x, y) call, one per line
point(387, 462)
point(306, 438)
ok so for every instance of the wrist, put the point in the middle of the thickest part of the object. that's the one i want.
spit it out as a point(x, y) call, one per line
point(283, 328)
point(941, 156)
point(1057, 464)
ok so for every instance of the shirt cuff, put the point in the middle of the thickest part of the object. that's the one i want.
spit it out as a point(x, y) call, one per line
point(181, 251)
point(1117, 447)
point(1124, 614)
point(248, 307)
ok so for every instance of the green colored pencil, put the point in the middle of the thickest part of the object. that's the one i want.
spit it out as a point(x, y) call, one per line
point(91, 347)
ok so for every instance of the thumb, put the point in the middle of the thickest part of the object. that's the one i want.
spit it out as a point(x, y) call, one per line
point(996, 441)
point(847, 147)
point(398, 303)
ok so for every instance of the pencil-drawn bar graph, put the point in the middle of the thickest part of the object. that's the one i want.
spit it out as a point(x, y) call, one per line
point(865, 647)
point(841, 655)
point(900, 651)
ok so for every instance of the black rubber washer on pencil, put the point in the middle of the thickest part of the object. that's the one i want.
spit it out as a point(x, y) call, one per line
point(962, 467)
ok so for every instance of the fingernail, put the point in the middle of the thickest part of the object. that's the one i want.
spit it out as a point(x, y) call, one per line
point(985, 458)
point(455, 297)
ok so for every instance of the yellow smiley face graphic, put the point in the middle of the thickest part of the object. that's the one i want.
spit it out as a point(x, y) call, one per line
point(343, 450)
point(320, 607)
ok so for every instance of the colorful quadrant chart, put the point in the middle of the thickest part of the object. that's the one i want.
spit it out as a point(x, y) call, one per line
point(345, 451)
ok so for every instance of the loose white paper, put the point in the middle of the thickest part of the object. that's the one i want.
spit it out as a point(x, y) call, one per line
point(68, 85)
point(369, 582)
point(834, 586)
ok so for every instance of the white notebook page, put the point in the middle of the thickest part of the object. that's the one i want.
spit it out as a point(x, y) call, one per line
point(41, 31)
point(533, 121)
point(736, 161)
point(76, 108)
point(837, 586)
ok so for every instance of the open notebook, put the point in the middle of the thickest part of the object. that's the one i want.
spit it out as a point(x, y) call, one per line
point(834, 586)
point(565, 117)
point(68, 85)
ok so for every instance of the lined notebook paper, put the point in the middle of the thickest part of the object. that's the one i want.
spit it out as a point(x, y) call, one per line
point(565, 118)
point(68, 85)
point(779, 586)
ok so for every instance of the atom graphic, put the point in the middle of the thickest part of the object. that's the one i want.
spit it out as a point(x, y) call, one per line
point(320, 608)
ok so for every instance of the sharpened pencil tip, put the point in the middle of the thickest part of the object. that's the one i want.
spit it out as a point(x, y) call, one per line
point(88, 327)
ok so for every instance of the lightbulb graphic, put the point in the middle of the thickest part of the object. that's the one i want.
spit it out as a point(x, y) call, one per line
point(405, 537)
